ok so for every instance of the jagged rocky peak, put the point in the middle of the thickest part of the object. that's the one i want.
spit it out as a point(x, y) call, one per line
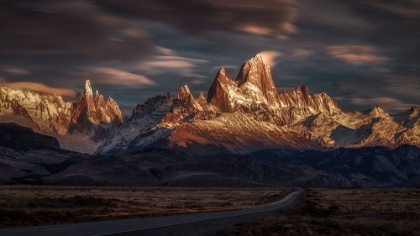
point(252, 71)
point(163, 102)
point(253, 85)
point(409, 117)
point(201, 99)
point(376, 111)
point(95, 109)
point(220, 91)
point(185, 94)
point(88, 89)
point(301, 98)
point(113, 110)
point(254, 88)
point(255, 72)
point(414, 111)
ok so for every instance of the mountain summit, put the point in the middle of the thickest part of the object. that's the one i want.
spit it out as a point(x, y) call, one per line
point(95, 109)
point(252, 88)
point(255, 76)
point(79, 126)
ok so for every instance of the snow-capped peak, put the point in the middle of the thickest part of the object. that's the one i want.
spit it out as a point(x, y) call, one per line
point(376, 111)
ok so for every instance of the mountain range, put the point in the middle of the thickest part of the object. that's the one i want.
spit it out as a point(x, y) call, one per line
point(27, 157)
point(243, 133)
point(238, 116)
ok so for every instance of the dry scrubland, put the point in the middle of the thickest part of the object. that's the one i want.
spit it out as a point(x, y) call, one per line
point(34, 205)
point(376, 200)
point(342, 212)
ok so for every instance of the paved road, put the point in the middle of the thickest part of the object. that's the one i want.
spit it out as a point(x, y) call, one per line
point(132, 225)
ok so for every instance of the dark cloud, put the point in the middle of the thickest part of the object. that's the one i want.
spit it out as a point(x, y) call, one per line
point(395, 92)
point(264, 17)
point(56, 42)
point(359, 52)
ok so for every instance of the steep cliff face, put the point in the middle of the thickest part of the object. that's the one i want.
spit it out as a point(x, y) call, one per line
point(222, 92)
point(254, 80)
point(74, 124)
point(93, 116)
point(410, 120)
point(95, 109)
point(253, 88)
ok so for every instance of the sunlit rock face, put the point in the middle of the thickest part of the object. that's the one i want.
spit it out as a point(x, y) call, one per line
point(95, 109)
point(79, 126)
point(92, 115)
point(42, 111)
point(239, 115)
point(247, 114)
point(253, 88)
point(157, 118)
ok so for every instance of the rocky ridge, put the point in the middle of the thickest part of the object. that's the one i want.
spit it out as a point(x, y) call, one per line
point(247, 114)
point(73, 123)
point(238, 116)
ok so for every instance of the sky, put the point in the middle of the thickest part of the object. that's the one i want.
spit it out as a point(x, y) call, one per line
point(361, 53)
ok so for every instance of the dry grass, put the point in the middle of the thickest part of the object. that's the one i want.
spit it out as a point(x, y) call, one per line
point(33, 205)
point(316, 215)
point(395, 199)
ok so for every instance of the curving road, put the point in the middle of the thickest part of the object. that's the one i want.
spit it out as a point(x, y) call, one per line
point(132, 225)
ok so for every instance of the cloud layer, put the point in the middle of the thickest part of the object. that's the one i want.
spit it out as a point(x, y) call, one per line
point(264, 17)
point(363, 52)
point(42, 88)
point(356, 54)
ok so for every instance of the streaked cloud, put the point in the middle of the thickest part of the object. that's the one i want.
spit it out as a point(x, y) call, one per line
point(356, 54)
point(42, 88)
point(69, 28)
point(269, 57)
point(252, 29)
point(126, 47)
point(111, 76)
point(269, 17)
point(14, 70)
point(390, 105)
point(405, 8)
point(407, 86)
point(164, 51)
point(301, 53)
point(171, 64)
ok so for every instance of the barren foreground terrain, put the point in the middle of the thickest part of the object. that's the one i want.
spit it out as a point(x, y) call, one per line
point(35, 205)
point(342, 212)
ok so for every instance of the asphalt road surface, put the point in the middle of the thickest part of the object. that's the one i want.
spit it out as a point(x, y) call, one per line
point(133, 225)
